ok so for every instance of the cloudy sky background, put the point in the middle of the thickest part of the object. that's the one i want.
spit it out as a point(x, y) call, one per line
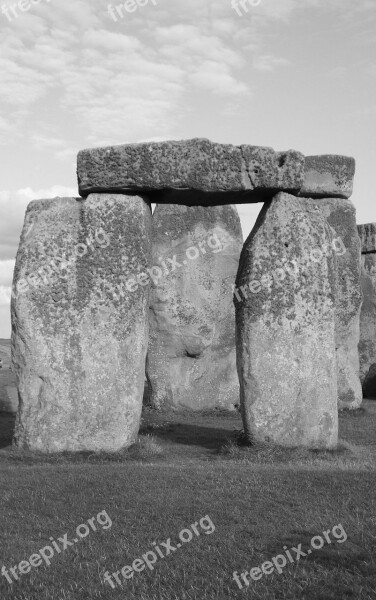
point(288, 74)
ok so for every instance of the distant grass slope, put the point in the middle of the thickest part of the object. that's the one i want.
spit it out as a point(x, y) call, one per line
point(186, 467)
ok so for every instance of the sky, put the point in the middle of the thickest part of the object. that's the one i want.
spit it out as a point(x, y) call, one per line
point(290, 74)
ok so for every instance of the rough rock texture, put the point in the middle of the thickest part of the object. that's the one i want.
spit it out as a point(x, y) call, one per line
point(191, 359)
point(367, 344)
point(367, 234)
point(328, 175)
point(341, 216)
point(286, 327)
point(79, 339)
point(197, 164)
point(270, 170)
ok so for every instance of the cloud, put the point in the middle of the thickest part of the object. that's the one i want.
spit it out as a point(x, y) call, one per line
point(217, 79)
point(157, 138)
point(6, 277)
point(52, 192)
point(67, 154)
point(5, 329)
point(266, 62)
point(110, 82)
point(5, 295)
point(42, 142)
point(6, 272)
point(114, 81)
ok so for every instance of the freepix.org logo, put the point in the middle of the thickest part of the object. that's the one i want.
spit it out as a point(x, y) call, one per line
point(59, 266)
point(215, 242)
point(279, 562)
point(161, 550)
point(48, 552)
point(11, 11)
point(277, 276)
point(243, 5)
point(130, 6)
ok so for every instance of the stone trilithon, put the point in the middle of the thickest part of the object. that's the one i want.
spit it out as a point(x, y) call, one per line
point(93, 274)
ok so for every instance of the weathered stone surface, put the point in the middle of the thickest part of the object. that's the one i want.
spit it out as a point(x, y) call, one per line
point(367, 234)
point(270, 170)
point(328, 176)
point(341, 216)
point(196, 164)
point(285, 328)
point(191, 359)
point(367, 344)
point(79, 334)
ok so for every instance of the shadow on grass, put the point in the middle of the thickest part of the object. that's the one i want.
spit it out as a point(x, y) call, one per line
point(210, 438)
point(146, 448)
point(164, 432)
point(347, 553)
point(357, 412)
point(7, 423)
point(269, 454)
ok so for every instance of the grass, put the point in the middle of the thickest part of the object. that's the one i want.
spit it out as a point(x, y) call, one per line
point(184, 467)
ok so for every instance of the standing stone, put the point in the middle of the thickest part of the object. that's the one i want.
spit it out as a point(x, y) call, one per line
point(285, 327)
point(341, 216)
point(191, 359)
point(79, 322)
point(367, 344)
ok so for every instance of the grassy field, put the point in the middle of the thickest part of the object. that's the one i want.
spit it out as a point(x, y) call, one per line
point(184, 468)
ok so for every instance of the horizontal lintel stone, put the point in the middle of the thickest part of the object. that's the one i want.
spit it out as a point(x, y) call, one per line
point(367, 234)
point(196, 164)
point(256, 173)
point(328, 176)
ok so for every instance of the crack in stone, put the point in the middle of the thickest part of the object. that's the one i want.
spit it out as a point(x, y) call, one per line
point(246, 171)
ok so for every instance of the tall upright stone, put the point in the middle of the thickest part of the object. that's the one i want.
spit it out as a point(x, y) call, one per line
point(367, 344)
point(285, 327)
point(79, 322)
point(191, 359)
point(341, 216)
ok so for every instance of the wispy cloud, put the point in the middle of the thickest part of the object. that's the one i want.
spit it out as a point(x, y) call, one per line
point(266, 62)
point(131, 79)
